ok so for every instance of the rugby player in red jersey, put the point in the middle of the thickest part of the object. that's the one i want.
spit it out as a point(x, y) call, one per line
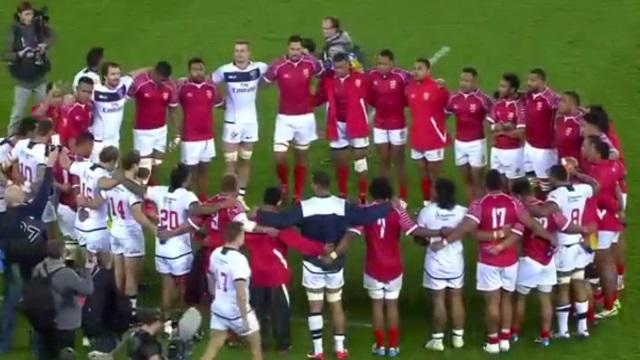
point(428, 132)
point(76, 117)
point(51, 107)
point(507, 120)
point(610, 213)
point(541, 104)
point(497, 255)
point(471, 107)
point(345, 92)
point(388, 98)
point(568, 133)
point(198, 96)
point(295, 122)
point(156, 95)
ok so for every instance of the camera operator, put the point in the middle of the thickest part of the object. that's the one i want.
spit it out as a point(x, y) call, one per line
point(144, 344)
point(26, 54)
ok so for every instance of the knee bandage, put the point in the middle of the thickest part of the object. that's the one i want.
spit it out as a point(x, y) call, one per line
point(577, 275)
point(280, 147)
point(231, 156)
point(546, 289)
point(564, 280)
point(301, 147)
point(245, 154)
point(315, 295)
point(523, 290)
point(334, 296)
point(360, 165)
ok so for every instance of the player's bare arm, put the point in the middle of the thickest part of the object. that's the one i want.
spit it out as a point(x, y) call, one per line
point(582, 177)
point(492, 235)
point(508, 242)
point(535, 227)
point(93, 203)
point(544, 209)
point(344, 243)
point(241, 296)
point(208, 209)
point(136, 72)
point(467, 225)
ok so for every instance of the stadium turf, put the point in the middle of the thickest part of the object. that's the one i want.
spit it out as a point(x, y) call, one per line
point(590, 46)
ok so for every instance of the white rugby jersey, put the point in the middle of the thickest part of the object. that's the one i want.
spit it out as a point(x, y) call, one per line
point(89, 175)
point(108, 110)
point(228, 265)
point(448, 263)
point(242, 88)
point(29, 155)
point(571, 201)
point(86, 72)
point(173, 210)
point(120, 202)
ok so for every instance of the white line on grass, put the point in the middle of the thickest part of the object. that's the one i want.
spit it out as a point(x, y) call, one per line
point(442, 52)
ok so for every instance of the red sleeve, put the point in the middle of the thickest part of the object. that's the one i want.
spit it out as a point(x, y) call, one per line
point(475, 211)
point(406, 222)
point(487, 102)
point(294, 240)
point(521, 118)
point(134, 87)
point(519, 208)
point(321, 93)
point(218, 99)
point(561, 221)
point(370, 98)
point(272, 73)
point(173, 94)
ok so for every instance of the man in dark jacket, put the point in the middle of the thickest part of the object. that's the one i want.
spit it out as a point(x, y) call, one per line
point(26, 54)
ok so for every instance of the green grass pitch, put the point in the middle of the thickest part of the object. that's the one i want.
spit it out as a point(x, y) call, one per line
point(590, 46)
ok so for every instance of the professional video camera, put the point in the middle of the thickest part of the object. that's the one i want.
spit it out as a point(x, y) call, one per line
point(183, 335)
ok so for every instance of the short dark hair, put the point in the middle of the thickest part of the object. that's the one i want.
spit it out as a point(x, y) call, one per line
point(55, 249)
point(470, 70)
point(340, 57)
point(425, 61)
point(44, 127)
point(445, 193)
point(104, 68)
point(85, 80)
point(294, 39)
point(195, 60)
point(84, 138)
point(558, 172)
point(309, 44)
point(94, 56)
point(573, 95)
point(321, 178)
point(601, 147)
point(163, 68)
point(522, 187)
point(130, 159)
point(24, 6)
point(335, 22)
point(242, 42)
point(598, 118)
point(27, 125)
point(512, 79)
point(540, 73)
point(108, 154)
point(272, 196)
point(228, 183)
point(232, 231)
point(493, 180)
point(380, 188)
point(387, 53)
point(178, 177)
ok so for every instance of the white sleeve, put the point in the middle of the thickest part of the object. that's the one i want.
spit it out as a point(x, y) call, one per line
point(555, 198)
point(247, 225)
point(14, 153)
point(152, 193)
point(76, 80)
point(78, 168)
point(588, 191)
point(218, 76)
point(127, 80)
point(241, 269)
point(263, 68)
point(422, 218)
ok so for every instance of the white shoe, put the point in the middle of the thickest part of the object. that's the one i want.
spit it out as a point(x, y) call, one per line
point(435, 345)
point(457, 341)
point(491, 348)
point(85, 342)
point(504, 345)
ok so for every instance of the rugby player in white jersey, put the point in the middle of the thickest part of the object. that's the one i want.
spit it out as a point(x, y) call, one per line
point(444, 265)
point(229, 276)
point(127, 240)
point(240, 131)
point(109, 97)
point(569, 199)
point(94, 58)
point(31, 157)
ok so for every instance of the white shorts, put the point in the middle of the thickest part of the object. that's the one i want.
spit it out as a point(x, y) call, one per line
point(492, 278)
point(533, 275)
point(98, 145)
point(473, 153)
point(396, 137)
point(432, 283)
point(49, 213)
point(178, 266)
point(571, 258)
point(315, 278)
point(236, 325)
point(131, 245)
point(301, 129)
point(344, 142)
point(607, 238)
point(509, 162)
point(147, 141)
point(67, 221)
point(195, 152)
point(95, 241)
point(429, 155)
point(233, 133)
point(383, 290)
point(539, 161)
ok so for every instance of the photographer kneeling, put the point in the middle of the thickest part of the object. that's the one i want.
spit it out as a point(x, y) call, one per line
point(144, 344)
point(26, 54)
